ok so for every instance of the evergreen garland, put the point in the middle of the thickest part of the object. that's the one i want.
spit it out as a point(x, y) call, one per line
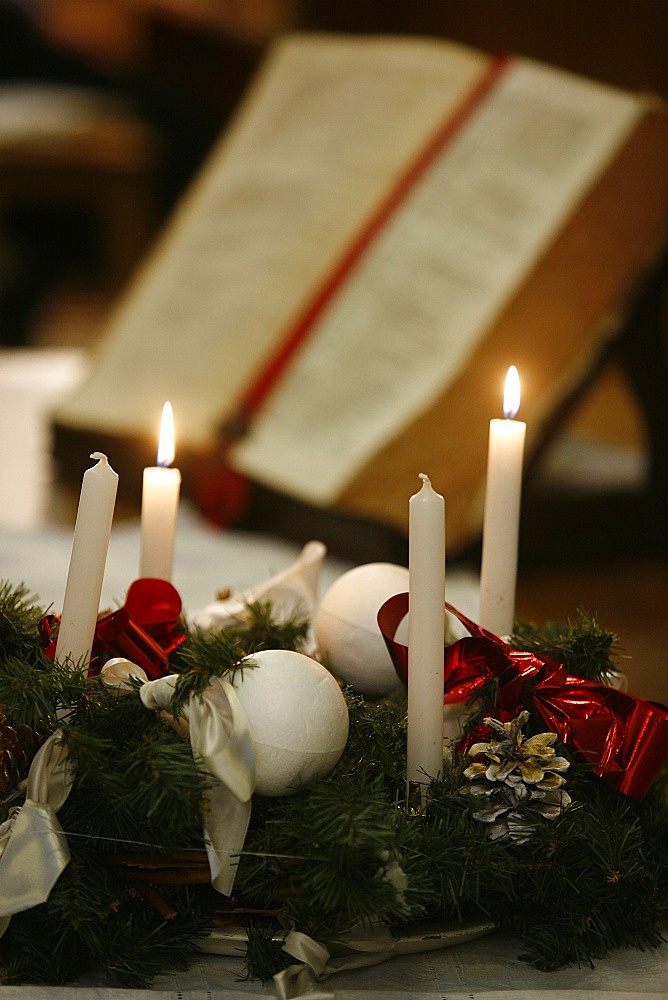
point(339, 852)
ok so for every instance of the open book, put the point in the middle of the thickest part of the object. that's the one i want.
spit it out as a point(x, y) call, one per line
point(388, 224)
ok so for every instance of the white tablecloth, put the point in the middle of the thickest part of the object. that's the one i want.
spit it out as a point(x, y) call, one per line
point(485, 969)
point(205, 560)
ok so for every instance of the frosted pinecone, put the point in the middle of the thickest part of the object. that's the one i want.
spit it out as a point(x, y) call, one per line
point(518, 775)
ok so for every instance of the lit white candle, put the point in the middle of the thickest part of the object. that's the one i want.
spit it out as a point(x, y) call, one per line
point(426, 625)
point(81, 602)
point(501, 522)
point(160, 503)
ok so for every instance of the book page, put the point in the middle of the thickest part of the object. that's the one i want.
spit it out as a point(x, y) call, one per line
point(432, 283)
point(327, 127)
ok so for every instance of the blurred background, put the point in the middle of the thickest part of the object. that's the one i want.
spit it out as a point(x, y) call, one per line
point(108, 109)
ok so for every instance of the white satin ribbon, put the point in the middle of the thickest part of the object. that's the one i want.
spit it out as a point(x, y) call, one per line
point(369, 946)
point(301, 980)
point(222, 745)
point(33, 847)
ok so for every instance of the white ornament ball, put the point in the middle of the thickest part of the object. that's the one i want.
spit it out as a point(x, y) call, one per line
point(297, 715)
point(346, 628)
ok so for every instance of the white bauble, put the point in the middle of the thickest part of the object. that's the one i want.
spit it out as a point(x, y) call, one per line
point(297, 715)
point(346, 628)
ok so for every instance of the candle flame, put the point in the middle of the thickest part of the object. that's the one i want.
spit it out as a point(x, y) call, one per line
point(511, 394)
point(166, 440)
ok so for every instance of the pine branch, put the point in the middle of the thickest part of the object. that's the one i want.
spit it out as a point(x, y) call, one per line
point(19, 620)
point(204, 656)
point(136, 777)
point(262, 630)
point(583, 647)
point(264, 952)
point(377, 741)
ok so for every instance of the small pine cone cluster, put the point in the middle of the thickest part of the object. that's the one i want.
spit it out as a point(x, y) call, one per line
point(18, 746)
point(517, 777)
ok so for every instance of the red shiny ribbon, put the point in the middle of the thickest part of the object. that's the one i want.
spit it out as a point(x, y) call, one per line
point(45, 628)
point(155, 605)
point(117, 635)
point(623, 737)
point(145, 630)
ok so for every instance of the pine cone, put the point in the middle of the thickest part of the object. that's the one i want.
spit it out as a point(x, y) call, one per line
point(18, 746)
point(517, 774)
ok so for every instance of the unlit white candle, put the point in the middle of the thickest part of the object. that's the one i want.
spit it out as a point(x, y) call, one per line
point(501, 521)
point(81, 602)
point(426, 625)
point(161, 488)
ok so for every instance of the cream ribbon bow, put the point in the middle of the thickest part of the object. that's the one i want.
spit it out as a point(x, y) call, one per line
point(222, 745)
point(364, 947)
point(33, 847)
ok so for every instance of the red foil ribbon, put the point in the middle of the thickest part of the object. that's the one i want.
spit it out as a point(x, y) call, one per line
point(624, 738)
point(45, 628)
point(145, 630)
point(155, 605)
point(117, 635)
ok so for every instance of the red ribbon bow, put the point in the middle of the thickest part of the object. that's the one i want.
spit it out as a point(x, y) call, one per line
point(145, 630)
point(624, 738)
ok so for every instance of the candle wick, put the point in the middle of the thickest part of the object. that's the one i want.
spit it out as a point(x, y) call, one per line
point(425, 479)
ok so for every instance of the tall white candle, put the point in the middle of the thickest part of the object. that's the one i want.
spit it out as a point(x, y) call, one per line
point(503, 493)
point(160, 503)
point(81, 602)
point(426, 626)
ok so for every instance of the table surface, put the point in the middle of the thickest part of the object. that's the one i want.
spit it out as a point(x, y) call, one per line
point(484, 969)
